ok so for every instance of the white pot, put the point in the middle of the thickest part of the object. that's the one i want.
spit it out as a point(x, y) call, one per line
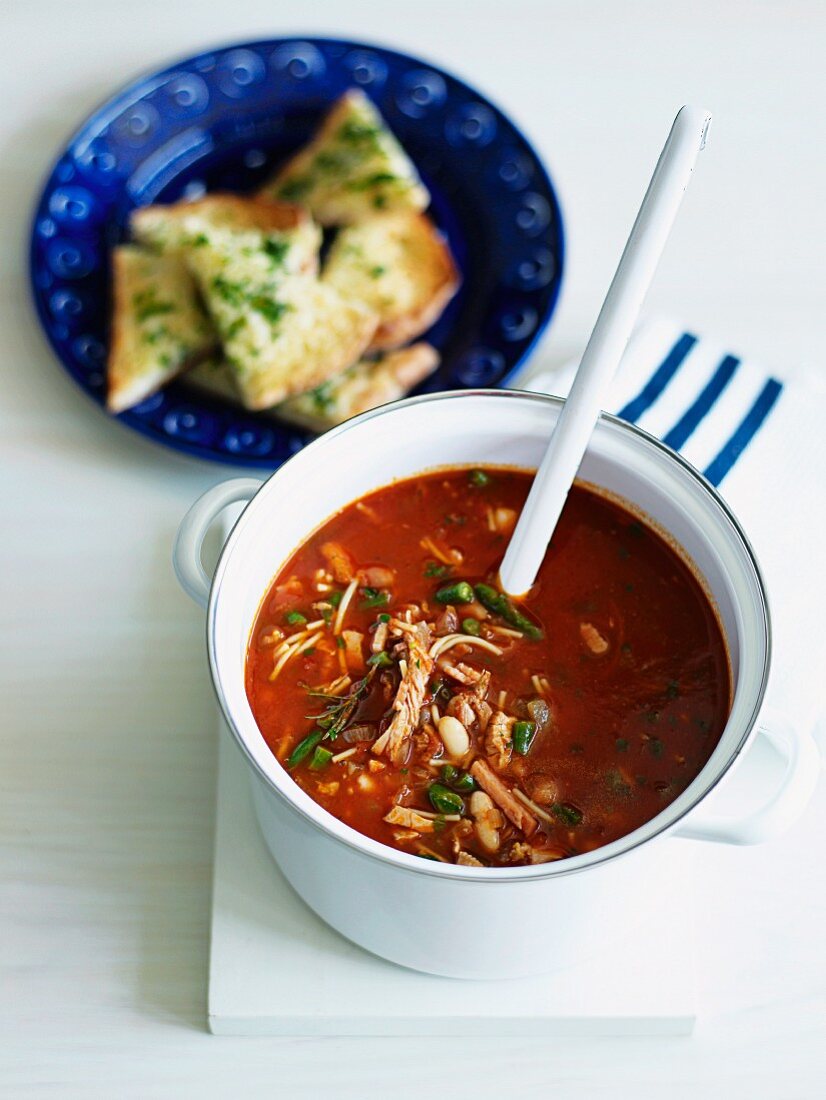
point(466, 921)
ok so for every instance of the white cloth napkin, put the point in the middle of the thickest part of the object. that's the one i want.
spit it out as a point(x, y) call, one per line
point(760, 438)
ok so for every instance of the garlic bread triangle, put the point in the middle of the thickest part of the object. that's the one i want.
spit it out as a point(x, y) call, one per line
point(400, 266)
point(159, 326)
point(353, 167)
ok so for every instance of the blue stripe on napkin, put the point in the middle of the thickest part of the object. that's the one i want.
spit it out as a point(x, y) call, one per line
point(744, 433)
point(659, 380)
point(689, 421)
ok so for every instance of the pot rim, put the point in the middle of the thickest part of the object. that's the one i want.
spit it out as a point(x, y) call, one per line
point(372, 849)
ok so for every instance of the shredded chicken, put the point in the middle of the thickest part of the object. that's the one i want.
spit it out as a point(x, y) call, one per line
point(411, 692)
point(498, 738)
point(512, 808)
point(469, 706)
point(593, 639)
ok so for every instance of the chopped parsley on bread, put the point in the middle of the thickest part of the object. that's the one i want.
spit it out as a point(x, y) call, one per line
point(183, 226)
point(365, 385)
point(159, 327)
point(399, 266)
point(352, 168)
point(282, 332)
point(231, 283)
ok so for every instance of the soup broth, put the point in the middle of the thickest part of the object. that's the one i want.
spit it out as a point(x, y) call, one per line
point(414, 701)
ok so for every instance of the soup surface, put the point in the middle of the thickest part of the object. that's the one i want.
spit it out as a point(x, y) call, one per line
point(410, 698)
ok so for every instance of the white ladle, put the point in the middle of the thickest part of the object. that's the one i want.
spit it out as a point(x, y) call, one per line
point(605, 348)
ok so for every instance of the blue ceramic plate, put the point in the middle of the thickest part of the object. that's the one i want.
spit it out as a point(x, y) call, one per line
point(222, 121)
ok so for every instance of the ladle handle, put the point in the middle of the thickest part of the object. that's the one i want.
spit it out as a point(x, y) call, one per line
point(605, 348)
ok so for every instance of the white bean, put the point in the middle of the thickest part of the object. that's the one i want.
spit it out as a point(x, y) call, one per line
point(488, 820)
point(454, 736)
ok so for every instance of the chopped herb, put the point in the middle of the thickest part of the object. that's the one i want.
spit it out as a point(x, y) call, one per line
point(380, 660)
point(672, 689)
point(374, 597)
point(376, 180)
point(231, 293)
point(522, 737)
point(377, 271)
point(384, 617)
point(269, 309)
point(379, 201)
point(501, 605)
point(199, 240)
point(334, 598)
point(276, 250)
point(626, 649)
point(656, 747)
point(294, 617)
point(340, 642)
point(303, 749)
point(308, 652)
point(357, 132)
point(147, 306)
point(157, 334)
point(635, 530)
point(234, 327)
point(621, 744)
point(321, 758)
point(478, 478)
point(567, 814)
point(434, 569)
point(340, 709)
point(616, 783)
point(322, 396)
point(445, 801)
point(471, 626)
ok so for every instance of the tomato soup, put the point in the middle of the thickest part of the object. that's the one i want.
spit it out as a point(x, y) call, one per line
point(412, 699)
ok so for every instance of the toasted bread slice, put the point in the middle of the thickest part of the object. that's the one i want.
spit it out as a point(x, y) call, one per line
point(282, 333)
point(400, 266)
point(159, 326)
point(353, 167)
point(285, 234)
point(365, 385)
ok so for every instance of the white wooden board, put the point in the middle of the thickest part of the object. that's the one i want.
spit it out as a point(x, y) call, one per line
point(277, 969)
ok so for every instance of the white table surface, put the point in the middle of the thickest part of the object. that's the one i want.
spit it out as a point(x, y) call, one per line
point(107, 736)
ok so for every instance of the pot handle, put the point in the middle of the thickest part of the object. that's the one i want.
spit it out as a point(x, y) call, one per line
point(794, 786)
point(186, 553)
